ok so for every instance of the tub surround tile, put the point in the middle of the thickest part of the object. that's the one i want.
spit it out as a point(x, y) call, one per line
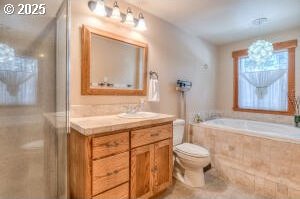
point(265, 187)
point(259, 185)
point(103, 124)
point(251, 148)
point(267, 167)
point(245, 180)
point(293, 194)
point(282, 159)
point(281, 191)
point(269, 189)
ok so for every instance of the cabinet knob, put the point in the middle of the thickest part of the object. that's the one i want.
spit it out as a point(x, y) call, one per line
point(154, 169)
point(113, 144)
point(116, 171)
point(112, 173)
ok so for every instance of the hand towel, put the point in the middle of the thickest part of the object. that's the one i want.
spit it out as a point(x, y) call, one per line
point(153, 95)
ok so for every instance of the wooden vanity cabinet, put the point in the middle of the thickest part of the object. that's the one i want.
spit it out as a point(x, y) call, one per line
point(99, 166)
point(151, 169)
point(151, 160)
point(134, 163)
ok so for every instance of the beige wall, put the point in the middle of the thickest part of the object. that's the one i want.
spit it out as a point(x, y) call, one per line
point(225, 66)
point(173, 53)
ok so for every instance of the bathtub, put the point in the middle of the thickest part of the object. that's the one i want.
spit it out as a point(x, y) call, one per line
point(264, 158)
point(259, 129)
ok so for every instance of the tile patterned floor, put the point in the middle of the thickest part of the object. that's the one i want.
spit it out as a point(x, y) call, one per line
point(215, 188)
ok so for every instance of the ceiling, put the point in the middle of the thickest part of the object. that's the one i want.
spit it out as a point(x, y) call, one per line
point(225, 21)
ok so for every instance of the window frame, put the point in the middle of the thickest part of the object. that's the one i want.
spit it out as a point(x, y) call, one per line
point(290, 46)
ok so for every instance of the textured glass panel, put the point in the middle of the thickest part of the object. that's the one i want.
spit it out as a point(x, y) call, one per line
point(33, 115)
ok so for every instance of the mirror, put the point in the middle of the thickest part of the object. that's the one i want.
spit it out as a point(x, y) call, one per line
point(112, 64)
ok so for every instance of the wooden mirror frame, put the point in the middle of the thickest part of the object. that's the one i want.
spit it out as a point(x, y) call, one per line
point(86, 35)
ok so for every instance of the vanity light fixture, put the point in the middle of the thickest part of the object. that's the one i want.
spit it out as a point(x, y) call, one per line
point(116, 14)
point(141, 24)
point(98, 7)
point(129, 20)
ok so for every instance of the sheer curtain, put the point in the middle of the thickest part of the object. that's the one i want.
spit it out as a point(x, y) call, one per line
point(264, 87)
point(18, 82)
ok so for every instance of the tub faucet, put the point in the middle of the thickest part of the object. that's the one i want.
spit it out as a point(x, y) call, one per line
point(212, 116)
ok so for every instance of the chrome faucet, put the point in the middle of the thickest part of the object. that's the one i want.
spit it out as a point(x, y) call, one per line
point(132, 109)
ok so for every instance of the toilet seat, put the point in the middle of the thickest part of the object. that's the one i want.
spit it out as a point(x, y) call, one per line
point(192, 150)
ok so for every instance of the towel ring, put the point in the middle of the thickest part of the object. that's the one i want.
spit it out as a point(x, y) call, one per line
point(153, 75)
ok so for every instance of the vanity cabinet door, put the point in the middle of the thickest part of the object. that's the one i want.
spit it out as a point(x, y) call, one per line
point(142, 168)
point(163, 165)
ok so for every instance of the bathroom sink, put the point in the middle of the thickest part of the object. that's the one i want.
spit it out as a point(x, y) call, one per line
point(138, 115)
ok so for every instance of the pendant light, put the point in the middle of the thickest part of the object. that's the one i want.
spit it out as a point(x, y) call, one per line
point(98, 7)
point(116, 14)
point(141, 25)
point(261, 50)
point(129, 20)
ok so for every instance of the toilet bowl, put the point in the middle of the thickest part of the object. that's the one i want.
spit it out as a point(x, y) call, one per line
point(189, 159)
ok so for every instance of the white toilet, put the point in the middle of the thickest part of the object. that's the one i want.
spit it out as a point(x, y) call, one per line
point(189, 159)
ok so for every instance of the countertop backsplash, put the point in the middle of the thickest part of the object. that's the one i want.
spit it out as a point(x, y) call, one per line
point(101, 109)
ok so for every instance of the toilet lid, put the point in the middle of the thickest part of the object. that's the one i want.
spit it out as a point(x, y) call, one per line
point(192, 150)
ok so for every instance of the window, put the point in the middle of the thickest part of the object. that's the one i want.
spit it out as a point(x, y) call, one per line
point(265, 88)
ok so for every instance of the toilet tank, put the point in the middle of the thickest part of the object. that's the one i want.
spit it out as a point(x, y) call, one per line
point(178, 131)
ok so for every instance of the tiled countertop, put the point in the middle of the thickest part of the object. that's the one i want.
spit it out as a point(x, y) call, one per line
point(102, 124)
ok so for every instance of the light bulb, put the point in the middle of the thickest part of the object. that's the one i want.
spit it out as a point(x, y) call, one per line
point(98, 7)
point(116, 14)
point(129, 18)
point(141, 25)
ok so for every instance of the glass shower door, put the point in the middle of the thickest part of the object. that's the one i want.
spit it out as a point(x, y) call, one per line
point(33, 99)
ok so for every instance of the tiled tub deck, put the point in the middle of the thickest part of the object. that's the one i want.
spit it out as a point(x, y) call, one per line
point(265, 166)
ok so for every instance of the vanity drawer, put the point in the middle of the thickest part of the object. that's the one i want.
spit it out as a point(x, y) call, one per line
point(109, 145)
point(110, 172)
point(150, 135)
point(120, 192)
